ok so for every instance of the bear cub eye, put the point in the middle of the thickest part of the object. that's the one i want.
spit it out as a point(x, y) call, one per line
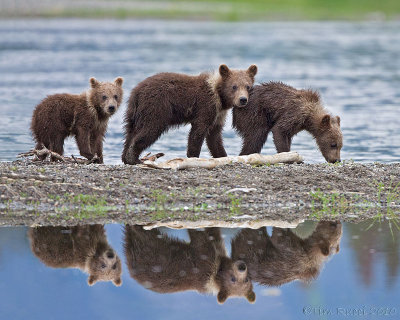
point(104, 98)
point(334, 145)
point(233, 279)
point(234, 87)
point(103, 266)
point(116, 97)
point(248, 88)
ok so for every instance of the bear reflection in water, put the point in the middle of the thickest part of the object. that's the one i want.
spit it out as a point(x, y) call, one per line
point(83, 247)
point(284, 257)
point(165, 264)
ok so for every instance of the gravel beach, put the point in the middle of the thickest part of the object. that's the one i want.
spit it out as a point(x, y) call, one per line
point(34, 193)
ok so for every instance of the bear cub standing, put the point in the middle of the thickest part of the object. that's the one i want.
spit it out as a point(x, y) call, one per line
point(286, 111)
point(84, 116)
point(171, 99)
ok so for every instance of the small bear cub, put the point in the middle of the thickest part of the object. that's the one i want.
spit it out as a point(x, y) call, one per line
point(84, 116)
point(167, 100)
point(284, 110)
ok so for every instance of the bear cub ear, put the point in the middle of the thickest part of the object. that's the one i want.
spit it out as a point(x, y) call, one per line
point(222, 296)
point(251, 296)
point(326, 121)
point(117, 282)
point(92, 280)
point(94, 82)
point(118, 81)
point(252, 70)
point(325, 249)
point(224, 71)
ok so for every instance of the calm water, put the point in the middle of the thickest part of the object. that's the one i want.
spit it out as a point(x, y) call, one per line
point(362, 275)
point(356, 67)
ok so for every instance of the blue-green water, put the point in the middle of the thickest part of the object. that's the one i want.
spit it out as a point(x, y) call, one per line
point(363, 276)
point(355, 66)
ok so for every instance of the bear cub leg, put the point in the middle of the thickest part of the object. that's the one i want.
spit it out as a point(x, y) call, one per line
point(83, 141)
point(196, 138)
point(215, 142)
point(137, 142)
point(282, 141)
point(254, 142)
point(96, 145)
point(57, 145)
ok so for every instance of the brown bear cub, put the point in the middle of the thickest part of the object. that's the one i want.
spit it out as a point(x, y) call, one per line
point(286, 111)
point(84, 116)
point(285, 257)
point(166, 265)
point(83, 247)
point(167, 100)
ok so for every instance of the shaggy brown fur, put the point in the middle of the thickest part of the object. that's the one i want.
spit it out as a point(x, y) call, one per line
point(84, 116)
point(286, 111)
point(165, 265)
point(166, 100)
point(83, 247)
point(285, 257)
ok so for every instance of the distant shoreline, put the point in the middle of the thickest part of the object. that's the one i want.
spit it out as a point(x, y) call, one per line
point(200, 10)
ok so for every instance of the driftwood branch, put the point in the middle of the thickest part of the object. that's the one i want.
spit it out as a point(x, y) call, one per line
point(36, 153)
point(95, 159)
point(50, 155)
point(154, 157)
point(252, 159)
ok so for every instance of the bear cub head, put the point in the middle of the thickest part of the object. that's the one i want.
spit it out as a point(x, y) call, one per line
point(104, 265)
point(106, 97)
point(235, 85)
point(329, 235)
point(329, 138)
point(233, 280)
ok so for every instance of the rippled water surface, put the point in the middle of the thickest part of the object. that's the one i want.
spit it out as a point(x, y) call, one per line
point(360, 274)
point(355, 66)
